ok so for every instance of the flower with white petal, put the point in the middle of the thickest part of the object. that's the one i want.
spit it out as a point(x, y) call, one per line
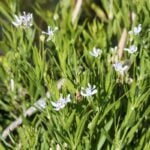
point(132, 49)
point(25, 20)
point(61, 103)
point(96, 52)
point(120, 68)
point(50, 32)
point(89, 91)
point(136, 30)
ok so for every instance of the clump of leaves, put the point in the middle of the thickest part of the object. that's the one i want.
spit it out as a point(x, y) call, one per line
point(113, 112)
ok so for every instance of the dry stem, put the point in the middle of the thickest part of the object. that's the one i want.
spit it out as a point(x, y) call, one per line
point(76, 10)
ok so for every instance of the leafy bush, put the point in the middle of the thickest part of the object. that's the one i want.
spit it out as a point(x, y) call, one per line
point(74, 76)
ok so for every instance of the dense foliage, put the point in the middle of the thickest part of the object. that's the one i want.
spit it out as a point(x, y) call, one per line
point(91, 98)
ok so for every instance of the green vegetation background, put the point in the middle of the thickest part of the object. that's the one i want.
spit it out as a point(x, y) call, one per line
point(117, 117)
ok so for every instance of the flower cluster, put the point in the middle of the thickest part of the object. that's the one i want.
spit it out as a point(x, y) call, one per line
point(50, 32)
point(120, 68)
point(85, 92)
point(89, 91)
point(136, 30)
point(96, 52)
point(61, 103)
point(24, 20)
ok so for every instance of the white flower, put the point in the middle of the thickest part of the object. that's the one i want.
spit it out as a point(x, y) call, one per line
point(61, 103)
point(120, 68)
point(50, 32)
point(136, 30)
point(96, 52)
point(132, 49)
point(24, 20)
point(89, 91)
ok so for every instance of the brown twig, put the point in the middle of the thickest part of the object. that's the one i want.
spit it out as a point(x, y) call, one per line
point(38, 105)
point(123, 38)
point(122, 43)
point(76, 10)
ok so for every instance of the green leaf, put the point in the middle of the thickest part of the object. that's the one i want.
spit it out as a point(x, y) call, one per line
point(80, 129)
point(92, 125)
point(70, 120)
point(103, 136)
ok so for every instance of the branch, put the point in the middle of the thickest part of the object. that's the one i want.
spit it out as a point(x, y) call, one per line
point(76, 10)
point(122, 43)
point(38, 105)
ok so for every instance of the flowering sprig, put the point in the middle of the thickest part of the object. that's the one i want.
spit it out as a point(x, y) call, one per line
point(50, 32)
point(61, 103)
point(95, 52)
point(120, 68)
point(89, 91)
point(25, 20)
point(132, 49)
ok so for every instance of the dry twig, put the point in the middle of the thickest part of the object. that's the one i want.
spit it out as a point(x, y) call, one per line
point(38, 105)
point(122, 43)
point(76, 10)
